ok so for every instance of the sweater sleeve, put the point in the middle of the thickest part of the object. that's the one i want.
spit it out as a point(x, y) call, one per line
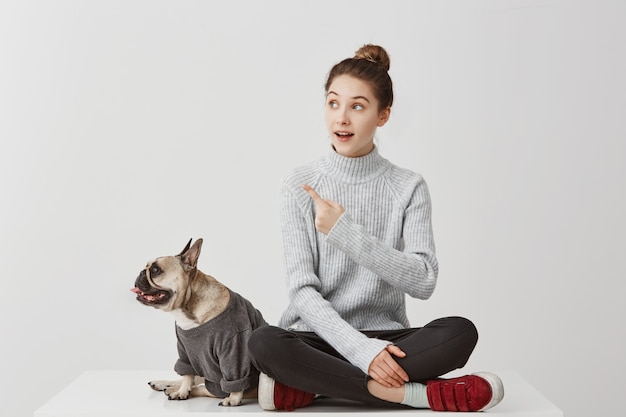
point(238, 373)
point(300, 246)
point(414, 269)
point(183, 364)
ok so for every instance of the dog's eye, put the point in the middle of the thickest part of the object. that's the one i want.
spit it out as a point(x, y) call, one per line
point(155, 270)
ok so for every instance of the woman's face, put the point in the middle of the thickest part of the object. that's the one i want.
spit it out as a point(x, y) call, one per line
point(352, 116)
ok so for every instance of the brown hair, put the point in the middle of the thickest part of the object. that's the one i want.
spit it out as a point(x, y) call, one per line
point(370, 64)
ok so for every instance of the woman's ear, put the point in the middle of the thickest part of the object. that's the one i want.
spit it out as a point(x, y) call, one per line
point(384, 117)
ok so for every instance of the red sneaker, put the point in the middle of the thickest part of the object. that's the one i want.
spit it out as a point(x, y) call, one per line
point(273, 395)
point(476, 392)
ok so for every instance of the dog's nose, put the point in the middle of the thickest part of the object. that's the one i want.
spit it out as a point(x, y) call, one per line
point(141, 282)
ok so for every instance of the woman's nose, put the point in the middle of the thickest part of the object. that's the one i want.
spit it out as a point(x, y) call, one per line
point(342, 118)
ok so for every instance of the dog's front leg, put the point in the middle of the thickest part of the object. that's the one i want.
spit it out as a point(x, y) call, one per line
point(233, 399)
point(182, 393)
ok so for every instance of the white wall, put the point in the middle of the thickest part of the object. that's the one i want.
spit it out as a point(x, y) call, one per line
point(128, 127)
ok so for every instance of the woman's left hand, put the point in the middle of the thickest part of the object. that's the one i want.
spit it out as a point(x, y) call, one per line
point(385, 370)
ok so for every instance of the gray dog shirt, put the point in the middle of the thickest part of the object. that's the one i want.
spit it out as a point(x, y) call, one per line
point(218, 350)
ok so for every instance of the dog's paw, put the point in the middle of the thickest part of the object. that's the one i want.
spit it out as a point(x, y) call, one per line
point(177, 393)
point(233, 399)
point(229, 403)
point(160, 385)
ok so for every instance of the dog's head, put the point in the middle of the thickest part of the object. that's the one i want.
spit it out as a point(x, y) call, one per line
point(163, 282)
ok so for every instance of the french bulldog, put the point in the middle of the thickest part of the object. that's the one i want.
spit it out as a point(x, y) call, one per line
point(213, 325)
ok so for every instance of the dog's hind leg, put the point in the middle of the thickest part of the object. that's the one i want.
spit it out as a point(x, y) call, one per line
point(201, 391)
point(162, 385)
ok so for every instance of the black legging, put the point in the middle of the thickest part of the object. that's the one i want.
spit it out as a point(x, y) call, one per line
point(304, 361)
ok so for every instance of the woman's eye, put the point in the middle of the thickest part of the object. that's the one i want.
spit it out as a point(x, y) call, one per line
point(333, 104)
point(358, 107)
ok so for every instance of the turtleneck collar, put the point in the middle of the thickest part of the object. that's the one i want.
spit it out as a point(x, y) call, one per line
point(355, 170)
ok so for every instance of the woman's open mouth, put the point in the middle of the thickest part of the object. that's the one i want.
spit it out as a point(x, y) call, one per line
point(343, 136)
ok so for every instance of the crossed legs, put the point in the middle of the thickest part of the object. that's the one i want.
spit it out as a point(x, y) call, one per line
point(304, 361)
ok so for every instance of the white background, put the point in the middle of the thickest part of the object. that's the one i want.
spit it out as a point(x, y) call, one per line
point(128, 127)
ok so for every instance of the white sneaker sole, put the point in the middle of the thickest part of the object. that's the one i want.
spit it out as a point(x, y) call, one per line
point(266, 392)
point(497, 388)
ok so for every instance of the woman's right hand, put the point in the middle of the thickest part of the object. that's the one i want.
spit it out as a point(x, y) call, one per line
point(327, 211)
point(385, 370)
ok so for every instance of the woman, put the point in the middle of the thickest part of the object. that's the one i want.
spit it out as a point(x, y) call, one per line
point(357, 236)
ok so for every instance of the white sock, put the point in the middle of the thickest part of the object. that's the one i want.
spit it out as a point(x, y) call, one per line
point(415, 395)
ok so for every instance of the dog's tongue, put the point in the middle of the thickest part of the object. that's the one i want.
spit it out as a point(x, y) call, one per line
point(137, 290)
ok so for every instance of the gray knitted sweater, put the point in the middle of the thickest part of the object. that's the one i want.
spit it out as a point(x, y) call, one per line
point(380, 249)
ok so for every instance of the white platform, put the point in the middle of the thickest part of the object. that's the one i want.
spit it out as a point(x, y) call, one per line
point(126, 393)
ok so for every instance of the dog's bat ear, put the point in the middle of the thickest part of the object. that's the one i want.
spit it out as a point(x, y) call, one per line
point(186, 248)
point(191, 254)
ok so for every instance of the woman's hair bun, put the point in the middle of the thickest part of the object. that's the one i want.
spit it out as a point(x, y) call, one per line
point(374, 53)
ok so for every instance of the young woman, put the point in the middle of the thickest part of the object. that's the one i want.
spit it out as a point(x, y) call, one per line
point(357, 237)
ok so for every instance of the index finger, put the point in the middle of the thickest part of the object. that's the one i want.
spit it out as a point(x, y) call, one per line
point(316, 197)
point(396, 351)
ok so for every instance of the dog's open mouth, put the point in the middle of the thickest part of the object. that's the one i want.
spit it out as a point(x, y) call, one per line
point(153, 297)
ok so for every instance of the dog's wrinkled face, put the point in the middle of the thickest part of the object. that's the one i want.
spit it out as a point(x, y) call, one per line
point(160, 282)
point(163, 281)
